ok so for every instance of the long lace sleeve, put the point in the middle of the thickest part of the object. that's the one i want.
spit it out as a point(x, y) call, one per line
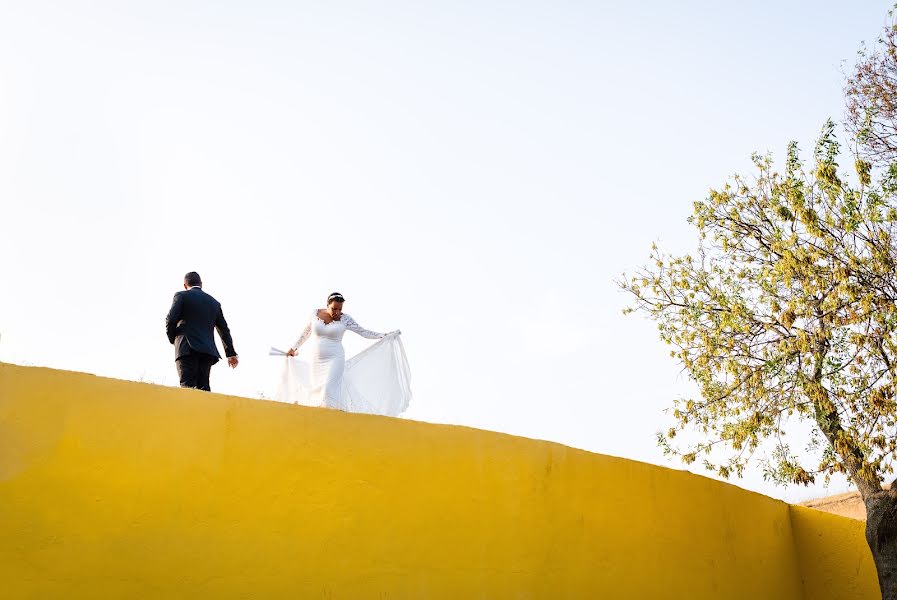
point(304, 335)
point(351, 325)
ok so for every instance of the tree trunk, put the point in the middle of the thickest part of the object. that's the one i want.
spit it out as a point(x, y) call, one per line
point(881, 535)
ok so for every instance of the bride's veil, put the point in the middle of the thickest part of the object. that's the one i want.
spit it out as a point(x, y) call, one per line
point(377, 380)
point(295, 381)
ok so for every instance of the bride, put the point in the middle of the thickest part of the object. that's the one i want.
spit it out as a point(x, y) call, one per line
point(374, 381)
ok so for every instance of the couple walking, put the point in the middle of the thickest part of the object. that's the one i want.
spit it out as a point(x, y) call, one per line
point(374, 381)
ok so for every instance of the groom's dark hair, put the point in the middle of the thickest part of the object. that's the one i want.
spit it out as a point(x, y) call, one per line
point(192, 278)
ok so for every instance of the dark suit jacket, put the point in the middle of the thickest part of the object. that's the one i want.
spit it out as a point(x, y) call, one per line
point(190, 321)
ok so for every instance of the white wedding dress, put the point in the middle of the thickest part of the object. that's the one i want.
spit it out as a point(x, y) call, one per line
point(375, 381)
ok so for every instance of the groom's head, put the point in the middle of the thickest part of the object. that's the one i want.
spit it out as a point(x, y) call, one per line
point(192, 279)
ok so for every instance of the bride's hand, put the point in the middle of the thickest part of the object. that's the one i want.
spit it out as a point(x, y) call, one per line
point(291, 352)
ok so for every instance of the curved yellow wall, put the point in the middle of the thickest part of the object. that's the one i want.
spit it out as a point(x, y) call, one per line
point(111, 489)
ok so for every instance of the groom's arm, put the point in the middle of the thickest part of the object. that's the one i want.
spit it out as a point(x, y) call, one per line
point(174, 316)
point(224, 334)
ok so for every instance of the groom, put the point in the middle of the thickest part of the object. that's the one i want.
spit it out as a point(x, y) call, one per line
point(189, 325)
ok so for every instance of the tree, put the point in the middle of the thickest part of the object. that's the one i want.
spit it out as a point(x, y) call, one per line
point(871, 95)
point(788, 310)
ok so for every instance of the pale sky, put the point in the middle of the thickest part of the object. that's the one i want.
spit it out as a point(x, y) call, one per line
point(475, 174)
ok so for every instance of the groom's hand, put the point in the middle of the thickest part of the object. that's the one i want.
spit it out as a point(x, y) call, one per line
point(233, 361)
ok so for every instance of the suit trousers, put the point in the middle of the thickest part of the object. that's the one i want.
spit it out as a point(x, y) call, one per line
point(194, 368)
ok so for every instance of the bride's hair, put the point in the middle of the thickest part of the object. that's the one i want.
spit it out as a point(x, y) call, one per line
point(335, 297)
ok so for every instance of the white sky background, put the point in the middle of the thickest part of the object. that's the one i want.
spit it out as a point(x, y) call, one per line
point(474, 173)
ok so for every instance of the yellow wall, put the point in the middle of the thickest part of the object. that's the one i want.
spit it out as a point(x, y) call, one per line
point(112, 489)
point(834, 559)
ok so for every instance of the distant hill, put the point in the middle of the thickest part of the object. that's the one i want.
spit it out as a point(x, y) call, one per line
point(846, 505)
